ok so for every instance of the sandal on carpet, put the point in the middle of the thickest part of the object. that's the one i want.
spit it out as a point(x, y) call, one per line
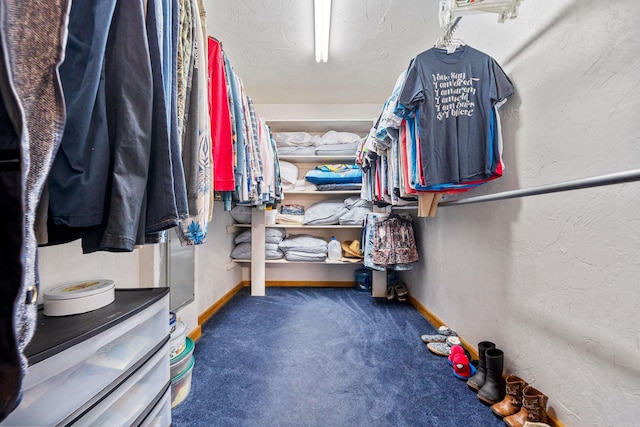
point(439, 348)
point(433, 338)
point(443, 348)
point(453, 340)
point(401, 291)
point(391, 292)
point(445, 330)
point(441, 336)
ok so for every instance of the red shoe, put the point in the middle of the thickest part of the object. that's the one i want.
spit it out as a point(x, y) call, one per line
point(462, 369)
point(455, 349)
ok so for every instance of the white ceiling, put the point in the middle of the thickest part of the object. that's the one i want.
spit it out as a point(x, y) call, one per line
point(270, 45)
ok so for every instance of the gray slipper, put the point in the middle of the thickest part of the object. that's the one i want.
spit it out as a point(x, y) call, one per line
point(433, 338)
point(441, 336)
point(443, 348)
point(453, 340)
point(439, 348)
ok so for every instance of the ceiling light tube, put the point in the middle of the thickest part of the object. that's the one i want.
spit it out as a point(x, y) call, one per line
point(322, 15)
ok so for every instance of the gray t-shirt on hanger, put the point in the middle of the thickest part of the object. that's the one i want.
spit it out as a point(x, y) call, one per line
point(454, 94)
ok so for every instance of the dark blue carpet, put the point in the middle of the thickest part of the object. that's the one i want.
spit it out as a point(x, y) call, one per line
point(323, 357)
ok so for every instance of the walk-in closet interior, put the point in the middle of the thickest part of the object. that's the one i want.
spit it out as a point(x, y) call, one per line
point(168, 211)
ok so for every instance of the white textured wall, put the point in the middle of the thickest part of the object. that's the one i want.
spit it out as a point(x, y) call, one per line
point(66, 263)
point(553, 279)
point(212, 279)
point(320, 111)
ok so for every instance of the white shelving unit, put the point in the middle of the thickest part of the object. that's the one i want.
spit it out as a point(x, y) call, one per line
point(258, 264)
point(322, 194)
point(316, 227)
point(284, 261)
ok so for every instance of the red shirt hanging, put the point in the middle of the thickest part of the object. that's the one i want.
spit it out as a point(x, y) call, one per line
point(221, 138)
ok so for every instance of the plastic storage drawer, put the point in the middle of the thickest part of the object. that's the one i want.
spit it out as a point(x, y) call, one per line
point(57, 388)
point(160, 416)
point(129, 401)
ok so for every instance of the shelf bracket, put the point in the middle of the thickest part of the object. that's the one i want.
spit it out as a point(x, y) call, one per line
point(452, 9)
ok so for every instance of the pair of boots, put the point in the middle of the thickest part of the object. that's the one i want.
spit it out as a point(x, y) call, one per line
point(521, 404)
point(488, 381)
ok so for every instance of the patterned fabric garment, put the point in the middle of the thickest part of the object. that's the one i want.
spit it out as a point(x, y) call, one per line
point(227, 196)
point(266, 156)
point(205, 52)
point(368, 240)
point(237, 114)
point(394, 242)
point(246, 194)
point(228, 76)
point(256, 160)
point(388, 119)
point(185, 49)
point(193, 230)
point(33, 36)
point(203, 18)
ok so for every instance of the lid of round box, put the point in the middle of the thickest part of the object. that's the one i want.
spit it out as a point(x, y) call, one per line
point(188, 351)
point(79, 289)
point(78, 298)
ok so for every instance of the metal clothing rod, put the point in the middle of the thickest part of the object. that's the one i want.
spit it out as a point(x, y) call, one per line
point(595, 181)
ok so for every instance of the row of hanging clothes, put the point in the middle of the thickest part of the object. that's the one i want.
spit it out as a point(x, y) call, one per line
point(106, 121)
point(439, 131)
point(153, 114)
point(247, 166)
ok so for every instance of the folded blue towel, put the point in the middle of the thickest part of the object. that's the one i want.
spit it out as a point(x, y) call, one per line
point(347, 174)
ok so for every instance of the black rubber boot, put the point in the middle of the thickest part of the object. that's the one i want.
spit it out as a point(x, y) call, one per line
point(493, 389)
point(477, 380)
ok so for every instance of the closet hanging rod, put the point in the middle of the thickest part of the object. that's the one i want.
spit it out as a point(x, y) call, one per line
point(595, 181)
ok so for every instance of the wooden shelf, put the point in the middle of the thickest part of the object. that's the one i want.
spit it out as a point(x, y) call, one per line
point(284, 261)
point(359, 126)
point(317, 227)
point(317, 159)
point(232, 227)
point(319, 193)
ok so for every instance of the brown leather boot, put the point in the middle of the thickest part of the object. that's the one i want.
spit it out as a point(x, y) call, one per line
point(512, 402)
point(536, 404)
point(534, 408)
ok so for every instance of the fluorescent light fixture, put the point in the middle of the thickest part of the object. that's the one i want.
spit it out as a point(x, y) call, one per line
point(322, 15)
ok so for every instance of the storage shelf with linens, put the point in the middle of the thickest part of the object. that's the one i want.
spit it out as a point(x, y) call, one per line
point(301, 193)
